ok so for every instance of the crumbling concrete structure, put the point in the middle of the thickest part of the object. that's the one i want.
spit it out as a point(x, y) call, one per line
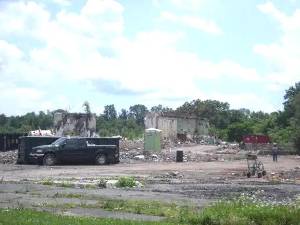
point(176, 125)
point(76, 124)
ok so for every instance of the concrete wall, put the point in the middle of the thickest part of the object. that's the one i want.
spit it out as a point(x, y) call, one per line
point(78, 124)
point(202, 127)
point(186, 126)
point(171, 125)
point(151, 120)
point(168, 126)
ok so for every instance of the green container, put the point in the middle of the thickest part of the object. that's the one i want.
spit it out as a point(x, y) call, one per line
point(152, 140)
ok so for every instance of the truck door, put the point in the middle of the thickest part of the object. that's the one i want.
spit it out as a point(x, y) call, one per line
point(74, 150)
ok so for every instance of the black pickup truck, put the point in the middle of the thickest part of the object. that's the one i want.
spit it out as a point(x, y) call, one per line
point(74, 150)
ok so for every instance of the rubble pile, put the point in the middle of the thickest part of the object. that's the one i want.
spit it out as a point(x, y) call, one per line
point(227, 151)
point(290, 176)
point(9, 157)
point(127, 145)
point(167, 156)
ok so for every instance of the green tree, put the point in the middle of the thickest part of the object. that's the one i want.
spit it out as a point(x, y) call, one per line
point(236, 131)
point(160, 109)
point(138, 112)
point(289, 97)
point(123, 115)
point(3, 120)
point(110, 112)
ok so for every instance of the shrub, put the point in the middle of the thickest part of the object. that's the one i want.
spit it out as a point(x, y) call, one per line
point(126, 182)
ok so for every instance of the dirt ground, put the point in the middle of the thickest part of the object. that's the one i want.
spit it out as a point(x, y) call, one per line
point(199, 183)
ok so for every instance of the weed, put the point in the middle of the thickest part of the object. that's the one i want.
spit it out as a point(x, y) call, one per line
point(90, 186)
point(47, 182)
point(31, 217)
point(126, 182)
point(102, 183)
point(68, 195)
point(65, 184)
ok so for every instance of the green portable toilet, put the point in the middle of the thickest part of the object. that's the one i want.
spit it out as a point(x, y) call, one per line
point(152, 139)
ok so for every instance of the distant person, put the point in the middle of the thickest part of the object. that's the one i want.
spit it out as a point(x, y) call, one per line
point(274, 152)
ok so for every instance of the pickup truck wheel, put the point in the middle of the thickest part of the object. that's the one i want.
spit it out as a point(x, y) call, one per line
point(49, 160)
point(100, 159)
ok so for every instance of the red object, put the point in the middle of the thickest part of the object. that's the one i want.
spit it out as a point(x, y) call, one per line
point(256, 139)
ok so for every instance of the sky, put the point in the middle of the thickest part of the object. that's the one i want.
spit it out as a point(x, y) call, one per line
point(57, 54)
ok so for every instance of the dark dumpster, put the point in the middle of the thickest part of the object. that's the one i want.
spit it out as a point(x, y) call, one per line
point(179, 156)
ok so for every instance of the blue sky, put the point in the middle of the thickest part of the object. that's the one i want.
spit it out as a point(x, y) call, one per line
point(57, 54)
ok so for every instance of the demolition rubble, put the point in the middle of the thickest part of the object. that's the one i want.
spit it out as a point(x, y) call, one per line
point(9, 157)
point(133, 150)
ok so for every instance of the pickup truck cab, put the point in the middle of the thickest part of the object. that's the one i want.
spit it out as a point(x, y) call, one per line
point(74, 150)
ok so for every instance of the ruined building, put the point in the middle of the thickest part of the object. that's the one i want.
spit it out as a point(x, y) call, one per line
point(177, 125)
point(77, 124)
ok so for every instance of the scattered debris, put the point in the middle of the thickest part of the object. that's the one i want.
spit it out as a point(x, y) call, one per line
point(139, 157)
point(9, 157)
point(127, 145)
point(111, 183)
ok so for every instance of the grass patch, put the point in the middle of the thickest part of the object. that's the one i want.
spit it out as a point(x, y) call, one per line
point(221, 213)
point(30, 217)
point(126, 182)
point(65, 184)
point(68, 195)
point(238, 212)
point(47, 182)
point(155, 208)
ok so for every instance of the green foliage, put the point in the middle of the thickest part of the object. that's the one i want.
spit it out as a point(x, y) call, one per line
point(126, 182)
point(160, 109)
point(25, 123)
point(31, 217)
point(138, 113)
point(236, 131)
point(124, 127)
point(241, 213)
point(110, 112)
point(238, 212)
point(47, 182)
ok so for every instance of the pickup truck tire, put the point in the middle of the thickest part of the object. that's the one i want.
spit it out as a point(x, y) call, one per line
point(49, 159)
point(101, 159)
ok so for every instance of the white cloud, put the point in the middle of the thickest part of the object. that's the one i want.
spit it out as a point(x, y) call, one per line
point(71, 49)
point(9, 52)
point(194, 22)
point(63, 2)
point(191, 5)
point(22, 18)
point(16, 99)
point(282, 55)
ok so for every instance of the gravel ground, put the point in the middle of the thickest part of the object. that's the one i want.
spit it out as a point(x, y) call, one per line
point(197, 182)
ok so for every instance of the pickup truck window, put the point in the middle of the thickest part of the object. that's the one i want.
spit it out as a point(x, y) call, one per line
point(59, 141)
point(72, 143)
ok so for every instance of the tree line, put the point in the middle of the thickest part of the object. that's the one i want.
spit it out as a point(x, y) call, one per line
point(225, 123)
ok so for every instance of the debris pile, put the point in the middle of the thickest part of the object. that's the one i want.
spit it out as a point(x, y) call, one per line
point(168, 156)
point(127, 145)
point(290, 176)
point(9, 157)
